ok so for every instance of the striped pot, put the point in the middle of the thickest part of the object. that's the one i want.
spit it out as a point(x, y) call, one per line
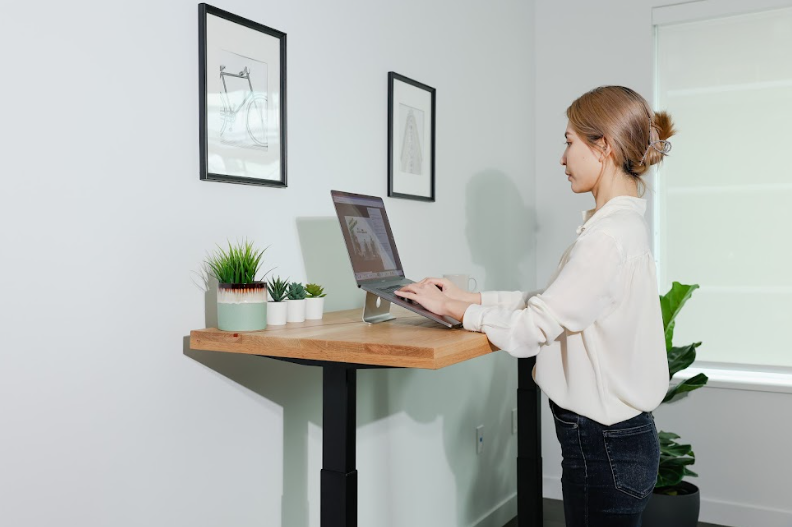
point(242, 307)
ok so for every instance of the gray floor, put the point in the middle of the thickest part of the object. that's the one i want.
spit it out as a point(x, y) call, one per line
point(554, 515)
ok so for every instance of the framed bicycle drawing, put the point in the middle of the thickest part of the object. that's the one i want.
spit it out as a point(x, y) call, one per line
point(411, 139)
point(242, 68)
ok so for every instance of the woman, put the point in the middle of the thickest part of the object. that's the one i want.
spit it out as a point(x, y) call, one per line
point(597, 329)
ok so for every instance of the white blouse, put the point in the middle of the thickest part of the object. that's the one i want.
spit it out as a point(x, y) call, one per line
point(597, 329)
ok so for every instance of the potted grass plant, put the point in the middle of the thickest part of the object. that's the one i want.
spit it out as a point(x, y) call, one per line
point(276, 306)
point(241, 296)
point(675, 502)
point(295, 305)
point(314, 301)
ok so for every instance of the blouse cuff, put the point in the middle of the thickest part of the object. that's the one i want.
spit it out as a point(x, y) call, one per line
point(489, 298)
point(474, 314)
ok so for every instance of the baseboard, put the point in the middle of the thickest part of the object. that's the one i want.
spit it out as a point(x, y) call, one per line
point(500, 514)
point(712, 511)
point(505, 513)
point(743, 514)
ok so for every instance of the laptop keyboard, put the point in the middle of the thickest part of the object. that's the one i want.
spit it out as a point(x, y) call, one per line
point(390, 289)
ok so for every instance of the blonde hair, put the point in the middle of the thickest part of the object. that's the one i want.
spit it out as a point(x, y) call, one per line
point(638, 137)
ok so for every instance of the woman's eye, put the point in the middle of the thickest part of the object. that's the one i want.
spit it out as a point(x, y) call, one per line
point(567, 143)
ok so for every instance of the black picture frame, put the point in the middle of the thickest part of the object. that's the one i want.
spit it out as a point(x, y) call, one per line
point(242, 98)
point(411, 155)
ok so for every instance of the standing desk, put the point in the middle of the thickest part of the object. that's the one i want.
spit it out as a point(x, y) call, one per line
point(341, 343)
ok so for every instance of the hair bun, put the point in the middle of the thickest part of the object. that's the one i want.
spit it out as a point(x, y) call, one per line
point(665, 126)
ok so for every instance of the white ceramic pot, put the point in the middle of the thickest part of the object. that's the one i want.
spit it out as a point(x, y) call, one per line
point(276, 313)
point(295, 310)
point(314, 308)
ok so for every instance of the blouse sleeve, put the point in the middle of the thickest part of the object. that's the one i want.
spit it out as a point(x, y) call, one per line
point(510, 299)
point(585, 289)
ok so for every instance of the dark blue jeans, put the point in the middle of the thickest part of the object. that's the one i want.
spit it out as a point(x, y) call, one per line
point(608, 471)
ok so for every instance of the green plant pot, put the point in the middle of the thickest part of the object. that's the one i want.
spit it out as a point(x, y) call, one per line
point(242, 307)
point(673, 511)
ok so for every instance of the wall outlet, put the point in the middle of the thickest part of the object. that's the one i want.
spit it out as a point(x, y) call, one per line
point(514, 421)
point(479, 439)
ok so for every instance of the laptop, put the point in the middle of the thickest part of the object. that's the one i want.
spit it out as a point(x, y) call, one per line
point(372, 251)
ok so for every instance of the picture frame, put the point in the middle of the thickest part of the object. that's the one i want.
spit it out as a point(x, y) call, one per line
point(411, 138)
point(242, 84)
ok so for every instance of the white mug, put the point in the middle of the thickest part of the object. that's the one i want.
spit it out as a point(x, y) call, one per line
point(462, 281)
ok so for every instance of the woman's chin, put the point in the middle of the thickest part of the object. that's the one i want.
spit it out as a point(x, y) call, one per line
point(577, 189)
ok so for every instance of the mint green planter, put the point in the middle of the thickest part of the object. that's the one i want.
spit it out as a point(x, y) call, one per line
point(242, 307)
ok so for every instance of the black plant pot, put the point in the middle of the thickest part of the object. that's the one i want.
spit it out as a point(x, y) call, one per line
point(681, 510)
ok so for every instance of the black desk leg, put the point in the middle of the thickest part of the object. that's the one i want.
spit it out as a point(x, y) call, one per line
point(339, 477)
point(529, 447)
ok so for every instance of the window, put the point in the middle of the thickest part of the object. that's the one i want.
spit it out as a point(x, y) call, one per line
point(723, 209)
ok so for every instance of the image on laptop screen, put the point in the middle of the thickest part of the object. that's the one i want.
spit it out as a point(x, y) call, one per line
point(368, 236)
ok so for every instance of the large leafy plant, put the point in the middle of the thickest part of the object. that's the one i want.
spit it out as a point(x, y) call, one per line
point(238, 265)
point(675, 458)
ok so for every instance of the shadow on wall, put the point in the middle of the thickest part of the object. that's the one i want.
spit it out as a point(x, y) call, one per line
point(298, 390)
point(499, 231)
point(327, 262)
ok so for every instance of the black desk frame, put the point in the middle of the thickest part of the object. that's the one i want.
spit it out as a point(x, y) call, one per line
point(339, 442)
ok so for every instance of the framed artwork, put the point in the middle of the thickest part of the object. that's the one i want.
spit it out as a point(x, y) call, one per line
point(411, 139)
point(242, 67)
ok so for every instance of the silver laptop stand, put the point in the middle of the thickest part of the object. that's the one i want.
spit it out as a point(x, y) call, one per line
point(377, 309)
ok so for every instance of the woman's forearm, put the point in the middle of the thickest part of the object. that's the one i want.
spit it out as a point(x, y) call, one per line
point(456, 309)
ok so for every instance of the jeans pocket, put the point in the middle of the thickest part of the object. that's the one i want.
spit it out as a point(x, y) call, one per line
point(564, 418)
point(634, 456)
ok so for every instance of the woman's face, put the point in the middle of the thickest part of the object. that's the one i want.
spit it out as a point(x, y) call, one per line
point(583, 165)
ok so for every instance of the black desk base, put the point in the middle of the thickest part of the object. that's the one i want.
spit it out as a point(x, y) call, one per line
point(339, 475)
point(529, 447)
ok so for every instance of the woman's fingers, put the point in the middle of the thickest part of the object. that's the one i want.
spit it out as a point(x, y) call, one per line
point(441, 282)
point(415, 286)
point(408, 291)
point(407, 288)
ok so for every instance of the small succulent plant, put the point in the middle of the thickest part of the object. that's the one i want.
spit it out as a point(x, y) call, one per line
point(296, 291)
point(278, 289)
point(315, 291)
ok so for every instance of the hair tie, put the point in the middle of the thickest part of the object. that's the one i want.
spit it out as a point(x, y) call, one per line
point(664, 148)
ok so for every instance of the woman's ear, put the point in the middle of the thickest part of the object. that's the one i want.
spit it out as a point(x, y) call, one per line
point(605, 149)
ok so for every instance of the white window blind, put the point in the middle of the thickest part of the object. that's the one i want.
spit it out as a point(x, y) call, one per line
point(724, 195)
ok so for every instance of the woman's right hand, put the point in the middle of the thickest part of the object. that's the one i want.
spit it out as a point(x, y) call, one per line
point(452, 291)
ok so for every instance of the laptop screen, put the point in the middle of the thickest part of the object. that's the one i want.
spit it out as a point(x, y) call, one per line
point(368, 236)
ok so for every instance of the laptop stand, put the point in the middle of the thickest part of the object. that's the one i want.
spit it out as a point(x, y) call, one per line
point(377, 309)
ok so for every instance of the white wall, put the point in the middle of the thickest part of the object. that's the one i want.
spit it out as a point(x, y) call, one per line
point(107, 417)
point(740, 436)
